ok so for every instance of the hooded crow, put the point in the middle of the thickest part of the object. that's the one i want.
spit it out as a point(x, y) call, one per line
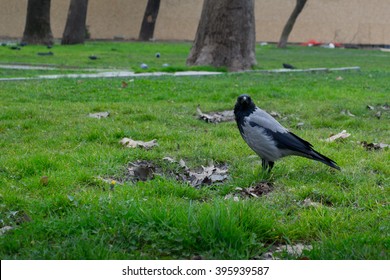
point(268, 138)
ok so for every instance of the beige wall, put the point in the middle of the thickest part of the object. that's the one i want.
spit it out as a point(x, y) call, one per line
point(346, 21)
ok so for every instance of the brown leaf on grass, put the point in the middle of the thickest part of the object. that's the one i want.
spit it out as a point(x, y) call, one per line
point(169, 159)
point(124, 84)
point(141, 171)
point(44, 181)
point(275, 114)
point(130, 143)
point(205, 176)
point(99, 115)
point(182, 164)
point(347, 113)
point(374, 146)
point(209, 175)
point(4, 229)
point(295, 250)
point(19, 217)
point(215, 117)
point(309, 203)
point(258, 190)
point(342, 135)
point(385, 107)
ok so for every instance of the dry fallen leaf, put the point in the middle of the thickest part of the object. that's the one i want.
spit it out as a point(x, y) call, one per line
point(99, 115)
point(4, 229)
point(309, 203)
point(124, 84)
point(44, 180)
point(385, 107)
point(209, 175)
point(141, 171)
point(369, 107)
point(275, 114)
point(215, 117)
point(347, 113)
point(342, 135)
point(169, 159)
point(130, 143)
point(374, 146)
point(258, 190)
point(295, 250)
point(183, 164)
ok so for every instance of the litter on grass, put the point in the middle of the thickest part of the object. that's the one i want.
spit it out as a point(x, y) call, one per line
point(208, 175)
point(215, 117)
point(5, 229)
point(142, 170)
point(347, 113)
point(262, 188)
point(374, 146)
point(379, 109)
point(297, 251)
point(342, 135)
point(99, 115)
point(130, 143)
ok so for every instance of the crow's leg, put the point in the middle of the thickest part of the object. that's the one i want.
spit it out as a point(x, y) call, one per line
point(264, 164)
point(267, 165)
point(270, 165)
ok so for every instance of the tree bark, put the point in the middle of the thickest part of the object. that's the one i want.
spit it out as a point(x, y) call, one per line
point(226, 35)
point(75, 28)
point(37, 29)
point(149, 21)
point(300, 4)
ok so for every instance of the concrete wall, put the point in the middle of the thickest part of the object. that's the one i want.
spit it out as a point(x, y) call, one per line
point(346, 21)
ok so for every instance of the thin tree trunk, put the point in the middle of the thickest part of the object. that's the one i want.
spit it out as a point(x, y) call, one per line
point(75, 28)
point(225, 35)
point(149, 21)
point(37, 29)
point(300, 4)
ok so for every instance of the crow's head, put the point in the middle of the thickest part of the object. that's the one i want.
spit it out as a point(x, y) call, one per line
point(243, 108)
point(244, 104)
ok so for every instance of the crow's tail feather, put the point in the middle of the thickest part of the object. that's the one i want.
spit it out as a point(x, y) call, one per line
point(324, 159)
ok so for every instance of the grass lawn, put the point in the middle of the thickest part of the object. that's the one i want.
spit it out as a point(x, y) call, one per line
point(73, 214)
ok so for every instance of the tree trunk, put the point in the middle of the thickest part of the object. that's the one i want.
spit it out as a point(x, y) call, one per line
point(75, 28)
point(225, 36)
point(37, 29)
point(149, 20)
point(290, 23)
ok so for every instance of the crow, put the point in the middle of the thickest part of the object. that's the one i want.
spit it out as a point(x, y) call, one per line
point(288, 66)
point(268, 138)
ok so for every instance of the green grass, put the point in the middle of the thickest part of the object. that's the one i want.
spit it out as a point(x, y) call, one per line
point(45, 131)
point(129, 56)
